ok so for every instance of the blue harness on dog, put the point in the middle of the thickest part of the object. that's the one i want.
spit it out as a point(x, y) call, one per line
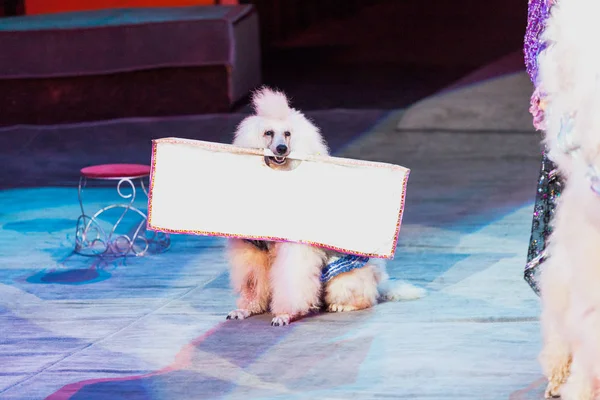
point(341, 264)
point(336, 265)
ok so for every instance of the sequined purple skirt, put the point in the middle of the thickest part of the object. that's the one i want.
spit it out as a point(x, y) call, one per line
point(537, 14)
point(549, 184)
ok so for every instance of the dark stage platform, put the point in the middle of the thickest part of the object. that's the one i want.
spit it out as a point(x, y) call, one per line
point(138, 62)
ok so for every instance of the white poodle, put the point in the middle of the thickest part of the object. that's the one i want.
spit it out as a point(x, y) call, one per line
point(570, 278)
point(290, 279)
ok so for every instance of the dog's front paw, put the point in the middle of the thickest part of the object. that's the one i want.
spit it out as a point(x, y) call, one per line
point(281, 319)
point(238, 314)
point(558, 378)
point(552, 391)
point(341, 308)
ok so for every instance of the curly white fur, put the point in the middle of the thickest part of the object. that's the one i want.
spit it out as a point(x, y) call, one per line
point(305, 137)
point(286, 278)
point(570, 278)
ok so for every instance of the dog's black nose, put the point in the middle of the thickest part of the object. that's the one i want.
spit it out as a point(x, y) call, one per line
point(281, 149)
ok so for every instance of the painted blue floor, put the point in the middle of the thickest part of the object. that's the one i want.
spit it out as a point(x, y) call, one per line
point(154, 327)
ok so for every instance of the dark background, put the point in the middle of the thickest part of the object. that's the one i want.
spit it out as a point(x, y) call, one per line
point(381, 53)
point(375, 53)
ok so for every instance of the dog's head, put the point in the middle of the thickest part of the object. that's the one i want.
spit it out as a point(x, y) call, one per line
point(278, 127)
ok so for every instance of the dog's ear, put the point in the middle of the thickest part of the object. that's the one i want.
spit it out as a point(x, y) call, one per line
point(269, 103)
point(249, 134)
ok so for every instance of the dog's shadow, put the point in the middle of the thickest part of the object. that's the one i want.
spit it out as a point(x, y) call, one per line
point(252, 357)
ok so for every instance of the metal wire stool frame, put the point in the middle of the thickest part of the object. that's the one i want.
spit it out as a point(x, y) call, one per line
point(92, 240)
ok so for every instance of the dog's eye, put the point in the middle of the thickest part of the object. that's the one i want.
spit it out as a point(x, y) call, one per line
point(269, 133)
point(287, 133)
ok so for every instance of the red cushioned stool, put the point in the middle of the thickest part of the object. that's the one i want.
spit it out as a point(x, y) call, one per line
point(97, 234)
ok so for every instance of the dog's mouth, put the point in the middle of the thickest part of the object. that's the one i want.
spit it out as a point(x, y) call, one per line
point(276, 160)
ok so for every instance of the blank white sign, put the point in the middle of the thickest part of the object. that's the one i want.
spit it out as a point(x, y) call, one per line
point(216, 189)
